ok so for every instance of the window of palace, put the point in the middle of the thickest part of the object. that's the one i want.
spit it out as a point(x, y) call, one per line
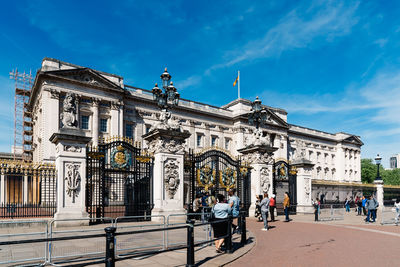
point(227, 143)
point(199, 140)
point(129, 130)
point(103, 125)
point(85, 122)
point(213, 140)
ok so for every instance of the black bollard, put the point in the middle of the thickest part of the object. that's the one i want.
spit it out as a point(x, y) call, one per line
point(243, 239)
point(110, 246)
point(228, 240)
point(190, 244)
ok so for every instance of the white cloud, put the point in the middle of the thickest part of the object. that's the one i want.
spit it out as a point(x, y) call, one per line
point(298, 29)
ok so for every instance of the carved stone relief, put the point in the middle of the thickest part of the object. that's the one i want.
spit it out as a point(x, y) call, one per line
point(72, 180)
point(71, 148)
point(258, 158)
point(171, 177)
point(166, 145)
point(69, 115)
point(307, 189)
point(265, 179)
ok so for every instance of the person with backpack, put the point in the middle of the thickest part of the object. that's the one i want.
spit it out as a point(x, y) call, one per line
point(371, 206)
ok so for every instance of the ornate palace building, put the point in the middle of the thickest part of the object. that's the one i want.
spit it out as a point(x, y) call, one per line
point(102, 106)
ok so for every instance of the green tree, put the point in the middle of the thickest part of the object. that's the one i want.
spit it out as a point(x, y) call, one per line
point(391, 177)
point(368, 171)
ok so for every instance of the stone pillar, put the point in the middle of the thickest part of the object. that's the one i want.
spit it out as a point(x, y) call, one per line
point(71, 176)
point(121, 120)
point(115, 120)
point(379, 193)
point(2, 187)
point(260, 160)
point(25, 187)
point(95, 121)
point(168, 148)
point(304, 187)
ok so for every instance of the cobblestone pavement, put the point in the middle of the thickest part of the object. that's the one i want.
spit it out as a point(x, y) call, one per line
point(302, 242)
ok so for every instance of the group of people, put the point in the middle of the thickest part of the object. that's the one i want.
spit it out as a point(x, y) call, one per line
point(220, 208)
point(266, 206)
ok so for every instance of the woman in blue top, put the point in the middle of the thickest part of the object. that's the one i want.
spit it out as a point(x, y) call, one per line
point(221, 210)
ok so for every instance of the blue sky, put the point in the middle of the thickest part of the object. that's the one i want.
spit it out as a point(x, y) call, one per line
point(333, 65)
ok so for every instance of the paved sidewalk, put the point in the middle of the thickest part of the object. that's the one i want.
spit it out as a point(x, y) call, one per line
point(71, 249)
point(303, 242)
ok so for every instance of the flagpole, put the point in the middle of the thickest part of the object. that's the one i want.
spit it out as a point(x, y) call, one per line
point(239, 84)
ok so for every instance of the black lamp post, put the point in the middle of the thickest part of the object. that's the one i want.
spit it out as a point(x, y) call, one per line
point(168, 98)
point(378, 160)
point(258, 114)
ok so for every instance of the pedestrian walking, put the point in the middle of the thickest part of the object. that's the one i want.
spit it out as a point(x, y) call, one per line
point(397, 207)
point(347, 205)
point(264, 211)
point(234, 202)
point(371, 206)
point(364, 203)
point(272, 206)
point(317, 206)
point(257, 212)
point(359, 206)
point(286, 204)
point(221, 210)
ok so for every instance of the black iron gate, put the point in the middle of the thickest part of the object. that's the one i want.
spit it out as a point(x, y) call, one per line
point(284, 180)
point(119, 181)
point(215, 172)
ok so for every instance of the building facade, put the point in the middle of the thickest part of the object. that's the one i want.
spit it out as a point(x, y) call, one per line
point(102, 106)
point(394, 161)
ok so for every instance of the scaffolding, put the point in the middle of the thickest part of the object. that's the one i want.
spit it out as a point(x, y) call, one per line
point(23, 127)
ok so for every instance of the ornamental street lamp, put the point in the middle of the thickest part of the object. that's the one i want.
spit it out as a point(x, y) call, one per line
point(378, 160)
point(168, 98)
point(258, 114)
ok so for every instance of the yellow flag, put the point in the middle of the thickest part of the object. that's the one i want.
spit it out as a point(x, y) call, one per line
point(234, 83)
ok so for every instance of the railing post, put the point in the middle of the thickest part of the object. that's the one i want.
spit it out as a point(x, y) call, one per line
point(190, 243)
point(228, 240)
point(110, 246)
point(244, 237)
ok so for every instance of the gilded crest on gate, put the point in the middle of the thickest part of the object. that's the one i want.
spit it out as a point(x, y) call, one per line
point(282, 172)
point(227, 178)
point(120, 158)
point(206, 177)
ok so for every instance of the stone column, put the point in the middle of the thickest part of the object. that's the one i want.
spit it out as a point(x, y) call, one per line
point(51, 118)
point(121, 119)
point(260, 160)
point(304, 186)
point(3, 188)
point(115, 120)
point(95, 121)
point(168, 148)
point(379, 193)
point(25, 193)
point(71, 176)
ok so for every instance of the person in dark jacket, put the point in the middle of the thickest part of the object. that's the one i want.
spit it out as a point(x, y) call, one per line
point(317, 206)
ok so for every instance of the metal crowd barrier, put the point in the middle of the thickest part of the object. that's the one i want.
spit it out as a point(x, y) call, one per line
point(389, 216)
point(204, 217)
point(331, 212)
point(127, 242)
point(28, 253)
point(53, 253)
point(74, 250)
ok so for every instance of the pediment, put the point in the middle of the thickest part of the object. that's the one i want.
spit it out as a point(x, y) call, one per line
point(85, 76)
point(354, 140)
point(275, 119)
